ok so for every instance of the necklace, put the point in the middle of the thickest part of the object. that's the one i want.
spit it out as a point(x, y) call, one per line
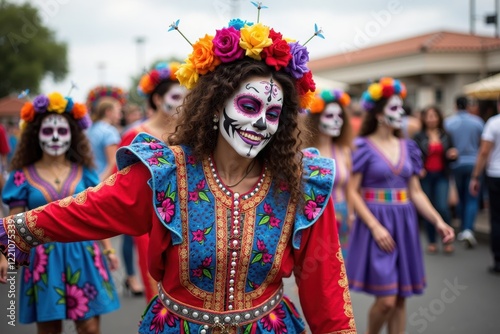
point(247, 171)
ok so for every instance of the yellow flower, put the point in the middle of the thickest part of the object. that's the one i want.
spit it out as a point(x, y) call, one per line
point(375, 91)
point(22, 124)
point(174, 66)
point(254, 39)
point(187, 75)
point(203, 57)
point(57, 103)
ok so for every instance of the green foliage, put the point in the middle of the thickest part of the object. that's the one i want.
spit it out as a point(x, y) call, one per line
point(28, 50)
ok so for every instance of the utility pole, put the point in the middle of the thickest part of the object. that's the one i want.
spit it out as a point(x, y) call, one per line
point(139, 41)
point(472, 18)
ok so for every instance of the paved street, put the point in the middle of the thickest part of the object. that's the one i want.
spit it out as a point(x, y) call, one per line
point(461, 297)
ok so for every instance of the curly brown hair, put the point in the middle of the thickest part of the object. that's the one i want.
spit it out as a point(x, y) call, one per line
point(29, 151)
point(346, 133)
point(370, 121)
point(195, 126)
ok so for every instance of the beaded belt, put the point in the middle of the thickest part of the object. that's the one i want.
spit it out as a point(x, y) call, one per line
point(385, 196)
point(223, 321)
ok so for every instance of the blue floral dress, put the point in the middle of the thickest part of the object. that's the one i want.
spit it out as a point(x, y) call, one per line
point(63, 280)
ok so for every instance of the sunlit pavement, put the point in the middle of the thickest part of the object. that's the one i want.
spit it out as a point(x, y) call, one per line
point(461, 297)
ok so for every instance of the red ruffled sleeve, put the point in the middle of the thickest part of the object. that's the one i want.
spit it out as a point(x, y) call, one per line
point(321, 278)
point(119, 205)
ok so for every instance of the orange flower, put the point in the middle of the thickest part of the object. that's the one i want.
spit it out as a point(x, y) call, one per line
point(345, 100)
point(28, 112)
point(174, 66)
point(79, 110)
point(386, 81)
point(403, 91)
point(317, 105)
point(203, 58)
point(146, 84)
point(306, 100)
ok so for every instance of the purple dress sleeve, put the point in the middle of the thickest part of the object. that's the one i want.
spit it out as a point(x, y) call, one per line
point(360, 156)
point(415, 156)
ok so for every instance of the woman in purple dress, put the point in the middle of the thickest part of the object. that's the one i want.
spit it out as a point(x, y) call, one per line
point(385, 258)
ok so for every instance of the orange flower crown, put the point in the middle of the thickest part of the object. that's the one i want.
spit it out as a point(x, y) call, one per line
point(324, 97)
point(245, 39)
point(153, 78)
point(55, 103)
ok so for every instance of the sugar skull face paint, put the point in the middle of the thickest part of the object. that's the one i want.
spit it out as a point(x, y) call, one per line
point(331, 121)
point(393, 112)
point(174, 98)
point(251, 116)
point(55, 135)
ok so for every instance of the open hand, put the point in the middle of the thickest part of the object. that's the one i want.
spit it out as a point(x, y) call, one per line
point(383, 238)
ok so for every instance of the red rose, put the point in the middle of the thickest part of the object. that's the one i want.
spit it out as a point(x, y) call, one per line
point(306, 83)
point(387, 91)
point(154, 76)
point(275, 35)
point(277, 54)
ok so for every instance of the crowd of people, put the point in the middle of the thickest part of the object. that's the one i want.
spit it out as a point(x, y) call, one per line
point(243, 174)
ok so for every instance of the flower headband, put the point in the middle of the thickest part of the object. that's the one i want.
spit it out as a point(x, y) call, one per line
point(152, 79)
point(101, 91)
point(245, 39)
point(385, 88)
point(328, 96)
point(55, 103)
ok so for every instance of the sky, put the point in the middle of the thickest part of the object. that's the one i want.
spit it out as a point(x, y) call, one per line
point(102, 34)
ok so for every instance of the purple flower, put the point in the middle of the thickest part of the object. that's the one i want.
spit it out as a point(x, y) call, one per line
point(90, 291)
point(40, 103)
point(226, 45)
point(164, 73)
point(297, 66)
point(85, 122)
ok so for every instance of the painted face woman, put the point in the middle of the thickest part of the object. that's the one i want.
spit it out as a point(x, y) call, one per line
point(329, 123)
point(384, 257)
point(53, 161)
point(231, 206)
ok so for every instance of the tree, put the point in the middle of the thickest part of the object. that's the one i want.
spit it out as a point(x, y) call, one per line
point(28, 50)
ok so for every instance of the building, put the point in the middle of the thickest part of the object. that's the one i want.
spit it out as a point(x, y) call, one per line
point(10, 107)
point(434, 66)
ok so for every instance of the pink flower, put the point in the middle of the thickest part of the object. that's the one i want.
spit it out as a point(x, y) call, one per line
point(268, 209)
point(226, 45)
point(261, 245)
point(76, 302)
point(167, 210)
point(273, 322)
point(313, 167)
point(27, 275)
point(191, 160)
point(162, 317)
point(19, 178)
point(206, 263)
point(325, 171)
point(275, 222)
point(311, 210)
point(308, 154)
point(320, 199)
point(266, 258)
point(198, 236)
point(158, 154)
point(98, 262)
point(197, 272)
point(201, 185)
point(160, 196)
point(283, 186)
point(153, 161)
point(39, 264)
point(193, 196)
point(155, 146)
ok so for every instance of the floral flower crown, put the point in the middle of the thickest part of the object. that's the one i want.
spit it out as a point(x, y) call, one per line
point(384, 88)
point(101, 91)
point(245, 39)
point(55, 103)
point(321, 99)
point(153, 78)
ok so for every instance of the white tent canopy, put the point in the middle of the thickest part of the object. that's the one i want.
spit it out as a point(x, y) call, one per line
point(485, 89)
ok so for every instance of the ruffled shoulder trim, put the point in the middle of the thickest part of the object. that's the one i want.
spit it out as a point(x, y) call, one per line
point(318, 177)
point(415, 156)
point(161, 163)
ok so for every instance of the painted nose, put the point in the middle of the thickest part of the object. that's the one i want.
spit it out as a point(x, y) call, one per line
point(260, 124)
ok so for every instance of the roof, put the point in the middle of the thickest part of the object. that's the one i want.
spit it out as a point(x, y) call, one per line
point(10, 106)
point(436, 42)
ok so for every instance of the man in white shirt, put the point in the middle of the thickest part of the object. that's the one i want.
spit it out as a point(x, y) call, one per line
point(489, 157)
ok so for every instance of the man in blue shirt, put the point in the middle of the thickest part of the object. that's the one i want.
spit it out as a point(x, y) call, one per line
point(465, 130)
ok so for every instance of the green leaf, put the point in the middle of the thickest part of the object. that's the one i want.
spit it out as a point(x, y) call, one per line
point(172, 196)
point(68, 274)
point(207, 273)
point(76, 277)
point(29, 292)
point(307, 198)
point(204, 196)
point(60, 292)
point(257, 258)
point(248, 329)
point(91, 250)
point(313, 196)
point(264, 220)
point(208, 230)
point(49, 249)
point(44, 278)
point(163, 161)
point(185, 325)
point(62, 300)
point(314, 173)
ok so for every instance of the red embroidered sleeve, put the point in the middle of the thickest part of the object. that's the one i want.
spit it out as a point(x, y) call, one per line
point(322, 280)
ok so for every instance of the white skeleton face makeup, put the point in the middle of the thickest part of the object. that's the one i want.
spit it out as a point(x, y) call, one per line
point(251, 116)
point(55, 135)
point(174, 98)
point(330, 122)
point(393, 112)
